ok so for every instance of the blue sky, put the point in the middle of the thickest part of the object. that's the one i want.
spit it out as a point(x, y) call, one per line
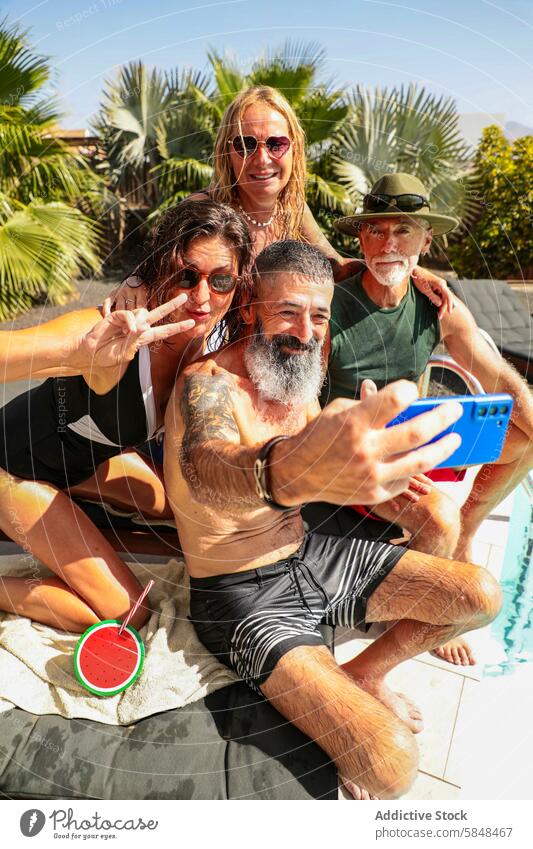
point(476, 51)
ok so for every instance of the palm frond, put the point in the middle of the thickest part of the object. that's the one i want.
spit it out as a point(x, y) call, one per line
point(44, 114)
point(180, 80)
point(229, 80)
point(42, 246)
point(35, 164)
point(320, 113)
point(292, 69)
point(327, 193)
point(292, 82)
point(293, 54)
point(182, 175)
point(133, 108)
point(407, 129)
point(22, 72)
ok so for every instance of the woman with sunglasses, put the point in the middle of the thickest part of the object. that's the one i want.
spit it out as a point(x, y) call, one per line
point(260, 170)
point(64, 439)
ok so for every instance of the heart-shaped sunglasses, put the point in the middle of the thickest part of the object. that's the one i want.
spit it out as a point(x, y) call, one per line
point(277, 146)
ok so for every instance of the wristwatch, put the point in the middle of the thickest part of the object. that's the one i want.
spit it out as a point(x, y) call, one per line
point(263, 484)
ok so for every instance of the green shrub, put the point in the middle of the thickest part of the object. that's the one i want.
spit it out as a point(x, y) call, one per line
point(499, 242)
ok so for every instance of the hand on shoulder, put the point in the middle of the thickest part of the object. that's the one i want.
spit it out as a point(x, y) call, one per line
point(207, 366)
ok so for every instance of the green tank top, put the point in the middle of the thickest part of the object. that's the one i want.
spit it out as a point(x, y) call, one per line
point(381, 344)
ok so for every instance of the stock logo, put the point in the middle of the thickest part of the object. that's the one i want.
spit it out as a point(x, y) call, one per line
point(32, 822)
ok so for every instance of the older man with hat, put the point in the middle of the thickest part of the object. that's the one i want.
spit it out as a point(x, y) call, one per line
point(383, 329)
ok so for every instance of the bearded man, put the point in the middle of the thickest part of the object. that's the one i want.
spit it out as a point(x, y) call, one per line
point(383, 329)
point(246, 446)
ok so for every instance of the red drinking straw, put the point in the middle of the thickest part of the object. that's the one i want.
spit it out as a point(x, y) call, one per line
point(136, 606)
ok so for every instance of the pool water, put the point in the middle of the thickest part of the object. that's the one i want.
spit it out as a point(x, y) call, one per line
point(513, 627)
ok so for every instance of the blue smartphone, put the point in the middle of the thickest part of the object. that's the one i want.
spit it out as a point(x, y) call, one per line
point(482, 427)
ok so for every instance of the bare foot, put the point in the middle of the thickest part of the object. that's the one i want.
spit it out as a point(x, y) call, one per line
point(357, 792)
point(403, 707)
point(457, 652)
point(400, 705)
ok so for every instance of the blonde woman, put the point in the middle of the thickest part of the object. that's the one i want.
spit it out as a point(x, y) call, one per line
point(260, 170)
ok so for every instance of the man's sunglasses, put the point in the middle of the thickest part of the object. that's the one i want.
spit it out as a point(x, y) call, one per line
point(277, 146)
point(388, 203)
point(219, 282)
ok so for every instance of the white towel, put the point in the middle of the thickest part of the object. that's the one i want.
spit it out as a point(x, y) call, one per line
point(36, 661)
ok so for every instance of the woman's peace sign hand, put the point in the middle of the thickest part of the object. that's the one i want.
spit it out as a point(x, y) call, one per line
point(117, 337)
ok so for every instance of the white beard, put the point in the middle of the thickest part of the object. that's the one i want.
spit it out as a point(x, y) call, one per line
point(295, 381)
point(396, 275)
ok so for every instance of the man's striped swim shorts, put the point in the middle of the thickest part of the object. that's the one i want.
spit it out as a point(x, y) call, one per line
point(250, 619)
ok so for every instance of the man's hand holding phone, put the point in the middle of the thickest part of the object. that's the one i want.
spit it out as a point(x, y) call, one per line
point(347, 454)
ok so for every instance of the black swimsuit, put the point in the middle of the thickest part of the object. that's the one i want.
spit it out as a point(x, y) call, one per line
point(61, 431)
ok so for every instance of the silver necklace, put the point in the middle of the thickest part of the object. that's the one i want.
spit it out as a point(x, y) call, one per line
point(258, 223)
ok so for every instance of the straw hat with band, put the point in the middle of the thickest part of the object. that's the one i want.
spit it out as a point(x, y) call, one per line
point(394, 195)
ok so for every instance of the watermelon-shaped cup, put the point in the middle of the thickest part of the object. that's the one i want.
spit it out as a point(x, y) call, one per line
point(105, 662)
point(109, 656)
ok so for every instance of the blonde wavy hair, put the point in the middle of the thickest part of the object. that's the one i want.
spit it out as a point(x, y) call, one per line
point(223, 188)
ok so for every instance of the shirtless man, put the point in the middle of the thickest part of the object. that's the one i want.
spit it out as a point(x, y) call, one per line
point(259, 586)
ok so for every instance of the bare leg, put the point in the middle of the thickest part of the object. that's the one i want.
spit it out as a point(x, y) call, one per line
point(491, 485)
point(47, 600)
point(130, 482)
point(433, 600)
point(434, 524)
point(93, 582)
point(348, 711)
point(433, 521)
point(370, 746)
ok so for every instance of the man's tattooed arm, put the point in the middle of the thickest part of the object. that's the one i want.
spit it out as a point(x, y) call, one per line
point(217, 468)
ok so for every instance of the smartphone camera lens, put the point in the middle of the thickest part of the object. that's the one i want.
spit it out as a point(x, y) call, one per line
point(493, 411)
point(482, 411)
point(504, 410)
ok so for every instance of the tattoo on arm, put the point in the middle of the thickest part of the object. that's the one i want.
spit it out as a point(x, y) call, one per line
point(216, 467)
point(206, 407)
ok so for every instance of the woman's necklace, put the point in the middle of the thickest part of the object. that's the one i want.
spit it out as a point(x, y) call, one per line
point(258, 223)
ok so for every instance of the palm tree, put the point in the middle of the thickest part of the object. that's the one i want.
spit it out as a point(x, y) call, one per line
point(185, 140)
point(404, 129)
point(132, 114)
point(157, 133)
point(44, 239)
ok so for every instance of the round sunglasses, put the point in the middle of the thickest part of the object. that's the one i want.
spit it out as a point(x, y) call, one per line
point(277, 146)
point(219, 282)
point(388, 203)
